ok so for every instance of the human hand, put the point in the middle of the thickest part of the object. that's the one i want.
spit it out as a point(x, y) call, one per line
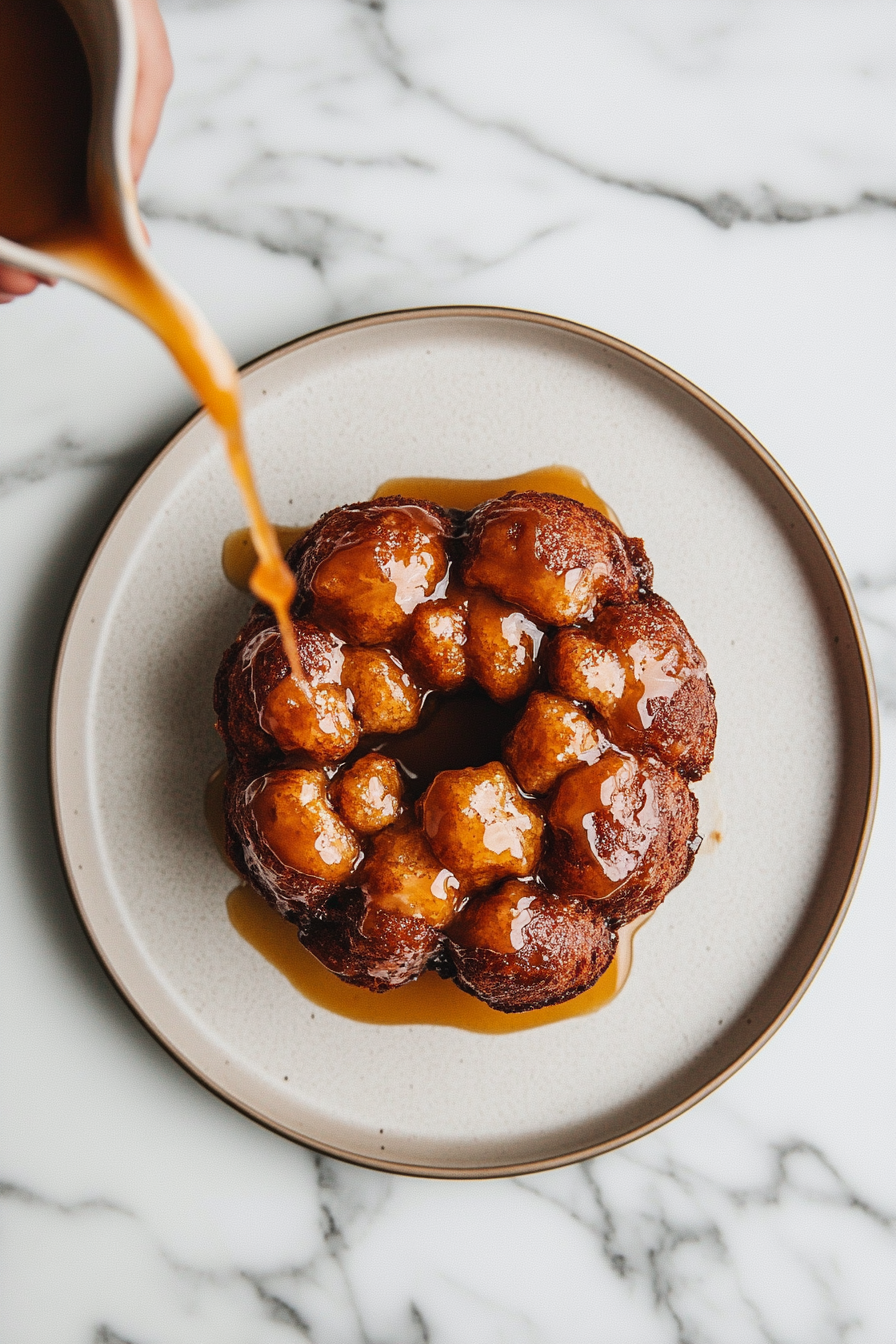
point(155, 72)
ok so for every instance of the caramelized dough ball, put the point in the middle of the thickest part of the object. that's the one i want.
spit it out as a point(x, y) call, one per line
point(386, 700)
point(502, 647)
point(556, 558)
point(296, 822)
point(368, 794)
point(437, 641)
point(367, 566)
point(644, 674)
point(369, 946)
point(552, 736)
point(480, 826)
point(319, 723)
point(402, 874)
point(285, 839)
point(262, 708)
point(624, 832)
point(522, 947)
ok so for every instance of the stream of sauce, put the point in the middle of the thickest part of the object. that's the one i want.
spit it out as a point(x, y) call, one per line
point(458, 725)
point(53, 201)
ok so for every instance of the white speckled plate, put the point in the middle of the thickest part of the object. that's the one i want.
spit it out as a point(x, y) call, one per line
point(469, 393)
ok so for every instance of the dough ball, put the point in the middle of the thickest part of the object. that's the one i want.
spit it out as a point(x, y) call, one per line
point(623, 832)
point(263, 711)
point(364, 568)
point(368, 794)
point(522, 947)
point(437, 641)
point(286, 840)
point(385, 698)
point(368, 945)
point(402, 874)
point(480, 826)
point(502, 647)
point(644, 674)
point(552, 556)
point(550, 738)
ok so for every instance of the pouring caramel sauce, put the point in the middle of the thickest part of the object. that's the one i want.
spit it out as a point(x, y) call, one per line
point(467, 723)
point(54, 200)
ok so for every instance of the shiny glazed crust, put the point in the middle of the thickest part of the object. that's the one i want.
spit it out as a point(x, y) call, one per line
point(511, 875)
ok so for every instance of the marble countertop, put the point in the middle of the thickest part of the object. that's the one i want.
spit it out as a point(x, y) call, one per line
point(713, 181)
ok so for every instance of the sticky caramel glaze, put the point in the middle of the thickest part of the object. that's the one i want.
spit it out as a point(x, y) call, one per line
point(238, 556)
point(453, 494)
point(454, 732)
point(55, 198)
point(429, 1001)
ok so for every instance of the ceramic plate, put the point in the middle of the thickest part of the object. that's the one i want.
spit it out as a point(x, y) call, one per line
point(469, 393)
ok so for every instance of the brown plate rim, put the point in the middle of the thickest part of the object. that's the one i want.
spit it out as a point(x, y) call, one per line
point(873, 764)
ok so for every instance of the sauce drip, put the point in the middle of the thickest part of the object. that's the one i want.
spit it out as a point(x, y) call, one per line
point(461, 730)
point(237, 554)
point(428, 1001)
point(54, 199)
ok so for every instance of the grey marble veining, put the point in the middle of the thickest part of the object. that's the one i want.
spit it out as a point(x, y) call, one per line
point(673, 1249)
point(714, 181)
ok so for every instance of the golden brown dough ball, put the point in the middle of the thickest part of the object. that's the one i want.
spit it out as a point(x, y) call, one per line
point(480, 826)
point(295, 821)
point(368, 794)
point(367, 566)
point(437, 641)
point(644, 674)
point(554, 557)
point(367, 945)
point(550, 738)
point(261, 708)
point(385, 698)
point(522, 947)
point(502, 647)
point(315, 719)
point(285, 839)
point(624, 832)
point(402, 874)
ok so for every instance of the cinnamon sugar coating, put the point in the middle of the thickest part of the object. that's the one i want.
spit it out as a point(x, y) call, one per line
point(510, 874)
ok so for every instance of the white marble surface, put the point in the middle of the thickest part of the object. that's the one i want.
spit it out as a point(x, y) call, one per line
point(714, 181)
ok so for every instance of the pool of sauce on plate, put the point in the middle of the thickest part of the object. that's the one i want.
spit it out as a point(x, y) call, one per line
point(442, 741)
point(53, 199)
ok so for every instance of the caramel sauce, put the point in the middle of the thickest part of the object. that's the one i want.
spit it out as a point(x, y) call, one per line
point(453, 494)
point(45, 109)
point(429, 1001)
point(460, 730)
point(238, 555)
point(55, 199)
